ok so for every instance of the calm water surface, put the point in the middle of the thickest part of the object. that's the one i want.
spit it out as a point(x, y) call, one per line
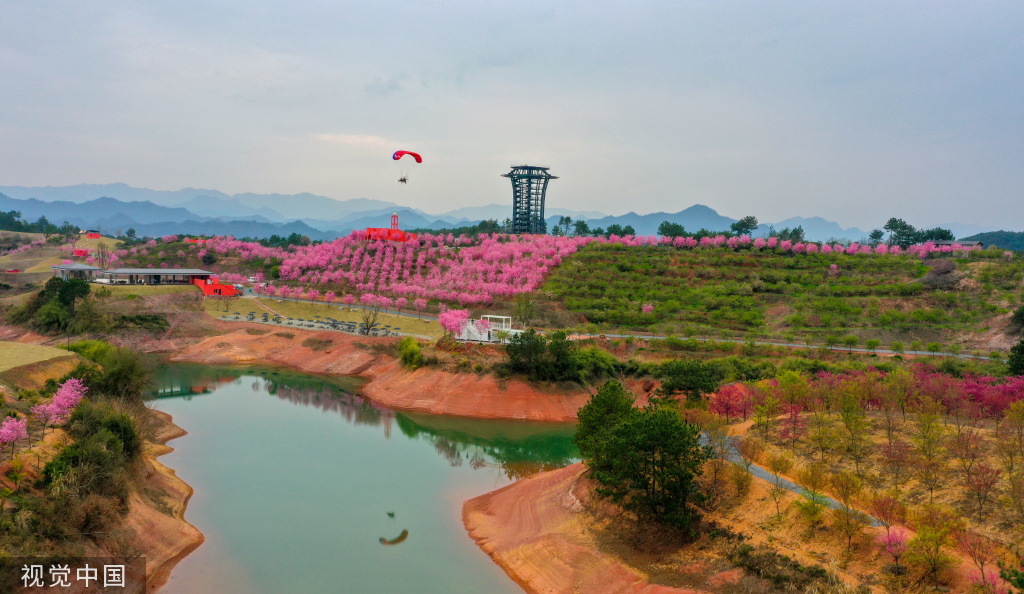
point(294, 476)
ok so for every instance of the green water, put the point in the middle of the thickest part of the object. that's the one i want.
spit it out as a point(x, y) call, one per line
point(294, 476)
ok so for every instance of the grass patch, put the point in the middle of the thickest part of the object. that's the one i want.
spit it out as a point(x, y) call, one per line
point(124, 291)
point(317, 344)
point(309, 311)
point(287, 335)
point(14, 354)
point(256, 331)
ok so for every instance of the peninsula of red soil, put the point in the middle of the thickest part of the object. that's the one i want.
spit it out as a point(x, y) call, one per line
point(536, 531)
point(426, 390)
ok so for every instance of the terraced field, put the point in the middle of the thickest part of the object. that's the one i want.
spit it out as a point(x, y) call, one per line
point(812, 297)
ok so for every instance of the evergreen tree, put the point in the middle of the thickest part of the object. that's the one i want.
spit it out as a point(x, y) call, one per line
point(655, 459)
point(597, 419)
point(1015, 360)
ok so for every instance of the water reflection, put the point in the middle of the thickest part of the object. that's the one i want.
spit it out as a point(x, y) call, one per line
point(514, 448)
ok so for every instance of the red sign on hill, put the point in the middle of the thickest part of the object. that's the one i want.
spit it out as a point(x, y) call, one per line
point(392, 234)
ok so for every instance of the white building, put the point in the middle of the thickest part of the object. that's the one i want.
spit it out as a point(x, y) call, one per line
point(493, 329)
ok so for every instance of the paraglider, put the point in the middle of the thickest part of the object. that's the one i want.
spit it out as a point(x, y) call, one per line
point(404, 179)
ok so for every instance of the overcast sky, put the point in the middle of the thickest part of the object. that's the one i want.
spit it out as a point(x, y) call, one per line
point(855, 111)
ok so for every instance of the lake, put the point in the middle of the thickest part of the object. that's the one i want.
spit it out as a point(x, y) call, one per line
point(298, 479)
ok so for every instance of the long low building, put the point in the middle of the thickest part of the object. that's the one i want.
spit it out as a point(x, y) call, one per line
point(154, 276)
point(75, 270)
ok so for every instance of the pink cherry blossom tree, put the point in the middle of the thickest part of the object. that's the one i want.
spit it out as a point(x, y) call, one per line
point(12, 430)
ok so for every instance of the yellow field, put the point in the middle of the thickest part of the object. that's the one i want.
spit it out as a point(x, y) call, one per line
point(13, 354)
point(147, 289)
point(308, 311)
point(90, 244)
point(46, 265)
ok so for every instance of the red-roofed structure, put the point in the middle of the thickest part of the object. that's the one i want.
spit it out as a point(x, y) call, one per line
point(392, 234)
point(212, 287)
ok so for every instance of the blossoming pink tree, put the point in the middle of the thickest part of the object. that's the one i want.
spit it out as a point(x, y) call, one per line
point(453, 320)
point(65, 399)
point(12, 430)
point(894, 544)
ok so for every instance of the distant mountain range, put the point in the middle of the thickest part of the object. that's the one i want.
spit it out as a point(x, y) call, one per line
point(109, 207)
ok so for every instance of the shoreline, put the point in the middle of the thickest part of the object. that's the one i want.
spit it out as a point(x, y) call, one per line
point(181, 537)
point(424, 390)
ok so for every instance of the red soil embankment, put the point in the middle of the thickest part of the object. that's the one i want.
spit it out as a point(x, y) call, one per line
point(427, 389)
point(163, 537)
point(534, 531)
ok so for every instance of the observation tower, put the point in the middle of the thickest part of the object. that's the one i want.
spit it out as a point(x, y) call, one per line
point(529, 185)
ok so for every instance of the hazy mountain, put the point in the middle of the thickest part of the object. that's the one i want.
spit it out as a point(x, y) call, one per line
point(815, 229)
point(124, 192)
point(500, 212)
point(960, 230)
point(285, 206)
point(311, 206)
point(407, 218)
point(692, 219)
point(87, 214)
point(230, 208)
point(114, 205)
point(236, 228)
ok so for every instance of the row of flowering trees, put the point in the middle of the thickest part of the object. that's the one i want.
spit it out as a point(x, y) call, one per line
point(475, 271)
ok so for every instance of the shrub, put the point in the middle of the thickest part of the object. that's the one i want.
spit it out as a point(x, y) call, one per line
point(594, 364)
point(93, 350)
point(317, 344)
point(1018, 317)
point(409, 352)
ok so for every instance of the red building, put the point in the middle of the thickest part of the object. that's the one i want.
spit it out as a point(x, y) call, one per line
point(392, 234)
point(212, 286)
point(81, 252)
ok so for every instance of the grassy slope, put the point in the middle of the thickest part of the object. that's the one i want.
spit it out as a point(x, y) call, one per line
point(13, 354)
point(738, 294)
point(307, 311)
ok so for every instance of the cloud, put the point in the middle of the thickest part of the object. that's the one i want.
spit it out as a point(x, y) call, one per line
point(355, 140)
point(380, 88)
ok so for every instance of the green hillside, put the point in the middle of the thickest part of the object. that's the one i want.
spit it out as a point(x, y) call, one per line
point(725, 293)
point(1007, 240)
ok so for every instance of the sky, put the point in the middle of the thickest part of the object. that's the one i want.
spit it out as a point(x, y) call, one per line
point(854, 111)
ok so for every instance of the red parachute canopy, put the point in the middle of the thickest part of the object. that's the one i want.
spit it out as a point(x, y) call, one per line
point(399, 154)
